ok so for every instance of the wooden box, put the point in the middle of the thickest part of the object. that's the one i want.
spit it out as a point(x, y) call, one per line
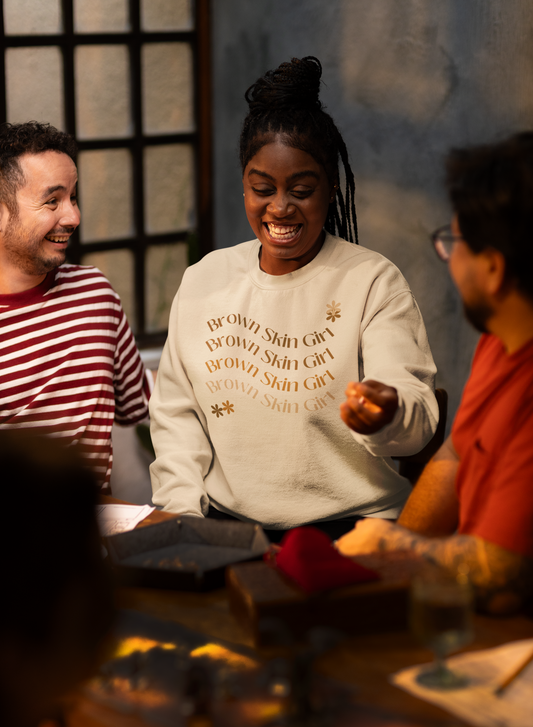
point(274, 609)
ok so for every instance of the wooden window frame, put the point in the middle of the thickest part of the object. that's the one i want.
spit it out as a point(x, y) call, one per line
point(201, 138)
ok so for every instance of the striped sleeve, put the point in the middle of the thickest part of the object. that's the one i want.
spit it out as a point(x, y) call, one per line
point(69, 363)
point(132, 389)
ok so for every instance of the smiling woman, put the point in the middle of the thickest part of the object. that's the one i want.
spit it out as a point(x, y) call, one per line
point(287, 195)
point(264, 338)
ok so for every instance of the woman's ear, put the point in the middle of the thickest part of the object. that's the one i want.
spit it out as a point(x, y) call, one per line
point(334, 188)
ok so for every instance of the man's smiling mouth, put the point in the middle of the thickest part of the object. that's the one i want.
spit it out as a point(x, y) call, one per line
point(282, 233)
point(57, 238)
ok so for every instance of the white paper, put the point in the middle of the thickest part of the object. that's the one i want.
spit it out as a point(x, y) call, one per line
point(119, 518)
point(477, 704)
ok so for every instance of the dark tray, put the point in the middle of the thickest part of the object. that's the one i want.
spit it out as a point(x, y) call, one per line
point(188, 553)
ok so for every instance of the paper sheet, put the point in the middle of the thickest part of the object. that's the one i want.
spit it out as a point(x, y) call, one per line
point(119, 518)
point(477, 704)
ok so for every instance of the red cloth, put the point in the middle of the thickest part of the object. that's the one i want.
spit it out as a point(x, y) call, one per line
point(308, 557)
point(493, 436)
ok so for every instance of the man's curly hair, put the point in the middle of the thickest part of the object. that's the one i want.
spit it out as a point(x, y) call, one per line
point(491, 190)
point(16, 140)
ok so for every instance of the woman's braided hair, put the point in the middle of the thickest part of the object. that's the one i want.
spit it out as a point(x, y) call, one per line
point(285, 101)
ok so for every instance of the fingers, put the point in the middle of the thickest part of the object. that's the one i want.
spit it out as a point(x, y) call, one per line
point(369, 406)
point(359, 418)
point(368, 536)
point(374, 391)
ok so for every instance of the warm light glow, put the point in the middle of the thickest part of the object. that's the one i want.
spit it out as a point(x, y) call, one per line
point(219, 653)
point(139, 643)
point(258, 711)
point(280, 689)
point(120, 687)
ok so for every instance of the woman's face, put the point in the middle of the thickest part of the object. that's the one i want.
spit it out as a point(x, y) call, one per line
point(286, 197)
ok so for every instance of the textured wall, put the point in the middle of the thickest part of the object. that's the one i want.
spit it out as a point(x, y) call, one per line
point(404, 80)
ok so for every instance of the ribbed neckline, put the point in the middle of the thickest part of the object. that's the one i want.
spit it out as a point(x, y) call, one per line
point(27, 297)
point(290, 280)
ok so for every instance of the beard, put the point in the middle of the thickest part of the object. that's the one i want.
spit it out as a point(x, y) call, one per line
point(24, 250)
point(478, 314)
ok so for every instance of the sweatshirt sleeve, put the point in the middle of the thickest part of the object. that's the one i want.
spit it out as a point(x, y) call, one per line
point(179, 432)
point(394, 349)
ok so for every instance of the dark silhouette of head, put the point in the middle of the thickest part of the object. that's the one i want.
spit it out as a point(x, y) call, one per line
point(57, 604)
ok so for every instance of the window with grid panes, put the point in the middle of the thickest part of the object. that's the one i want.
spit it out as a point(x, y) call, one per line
point(130, 80)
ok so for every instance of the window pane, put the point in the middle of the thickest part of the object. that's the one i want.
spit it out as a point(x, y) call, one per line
point(105, 194)
point(166, 15)
point(102, 91)
point(169, 188)
point(117, 266)
point(34, 85)
point(32, 17)
point(165, 265)
point(167, 88)
point(101, 16)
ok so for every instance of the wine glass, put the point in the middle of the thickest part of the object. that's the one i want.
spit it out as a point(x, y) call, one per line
point(441, 619)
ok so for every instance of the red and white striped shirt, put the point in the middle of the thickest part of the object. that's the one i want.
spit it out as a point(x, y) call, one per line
point(69, 365)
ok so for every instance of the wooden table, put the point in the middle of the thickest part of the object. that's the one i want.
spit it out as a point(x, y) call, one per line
point(363, 661)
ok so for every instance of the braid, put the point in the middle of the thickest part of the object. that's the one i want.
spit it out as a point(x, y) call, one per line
point(286, 101)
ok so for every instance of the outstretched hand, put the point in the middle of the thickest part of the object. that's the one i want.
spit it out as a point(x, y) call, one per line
point(369, 406)
point(368, 536)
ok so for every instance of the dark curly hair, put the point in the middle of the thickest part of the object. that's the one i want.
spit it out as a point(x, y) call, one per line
point(31, 137)
point(491, 191)
point(286, 101)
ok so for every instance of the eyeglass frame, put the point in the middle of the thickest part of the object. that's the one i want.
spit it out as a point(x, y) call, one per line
point(443, 239)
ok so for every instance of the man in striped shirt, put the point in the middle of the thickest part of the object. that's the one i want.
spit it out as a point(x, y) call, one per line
point(69, 366)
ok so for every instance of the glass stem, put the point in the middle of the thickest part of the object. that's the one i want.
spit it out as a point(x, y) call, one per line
point(440, 664)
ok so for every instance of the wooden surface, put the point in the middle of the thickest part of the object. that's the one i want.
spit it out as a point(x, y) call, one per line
point(364, 661)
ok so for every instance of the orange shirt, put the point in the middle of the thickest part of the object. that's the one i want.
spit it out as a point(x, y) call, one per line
point(493, 436)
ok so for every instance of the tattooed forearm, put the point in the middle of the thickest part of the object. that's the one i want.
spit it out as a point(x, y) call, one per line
point(502, 579)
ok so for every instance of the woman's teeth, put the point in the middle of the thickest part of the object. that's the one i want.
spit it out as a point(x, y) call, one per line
point(281, 233)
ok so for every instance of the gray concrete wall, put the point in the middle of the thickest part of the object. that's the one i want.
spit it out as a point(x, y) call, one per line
point(404, 80)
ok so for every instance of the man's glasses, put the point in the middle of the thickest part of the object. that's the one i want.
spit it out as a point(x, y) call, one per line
point(443, 240)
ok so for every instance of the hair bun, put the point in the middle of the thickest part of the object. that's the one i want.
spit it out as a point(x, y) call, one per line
point(293, 84)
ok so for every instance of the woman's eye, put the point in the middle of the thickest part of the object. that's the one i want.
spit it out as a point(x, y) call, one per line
point(301, 193)
point(262, 190)
point(52, 201)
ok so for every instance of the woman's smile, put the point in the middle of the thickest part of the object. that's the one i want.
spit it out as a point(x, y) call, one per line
point(283, 233)
point(286, 195)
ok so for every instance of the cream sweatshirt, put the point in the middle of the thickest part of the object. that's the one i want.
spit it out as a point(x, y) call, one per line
point(245, 411)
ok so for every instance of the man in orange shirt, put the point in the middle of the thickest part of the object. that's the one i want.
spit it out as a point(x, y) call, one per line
point(473, 504)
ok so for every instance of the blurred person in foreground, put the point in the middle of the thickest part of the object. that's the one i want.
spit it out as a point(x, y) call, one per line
point(69, 365)
point(473, 505)
point(57, 605)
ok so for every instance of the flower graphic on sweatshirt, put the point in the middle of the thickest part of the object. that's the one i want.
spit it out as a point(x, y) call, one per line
point(333, 311)
point(217, 410)
point(227, 407)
